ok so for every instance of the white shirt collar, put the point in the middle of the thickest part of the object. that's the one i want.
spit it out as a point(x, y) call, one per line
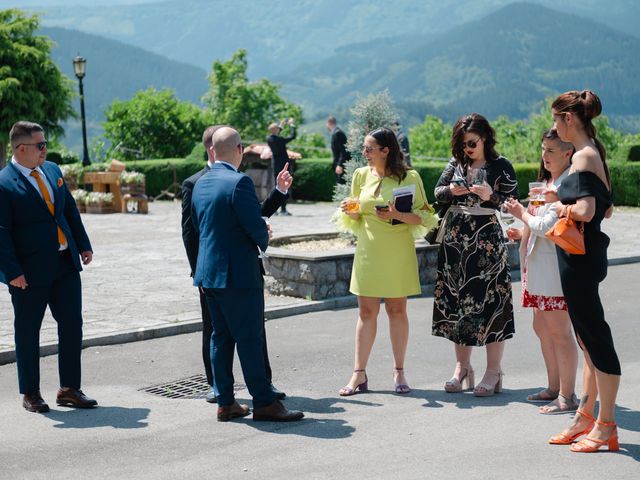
point(25, 170)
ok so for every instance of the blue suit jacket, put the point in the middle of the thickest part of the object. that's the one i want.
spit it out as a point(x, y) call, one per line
point(28, 231)
point(226, 215)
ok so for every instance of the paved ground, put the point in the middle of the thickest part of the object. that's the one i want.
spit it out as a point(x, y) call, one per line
point(380, 435)
point(139, 280)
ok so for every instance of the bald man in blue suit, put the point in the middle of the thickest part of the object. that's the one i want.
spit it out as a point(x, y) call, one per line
point(226, 215)
point(42, 241)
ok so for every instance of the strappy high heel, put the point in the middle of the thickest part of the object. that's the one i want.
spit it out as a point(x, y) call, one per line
point(455, 386)
point(590, 445)
point(347, 391)
point(487, 389)
point(401, 388)
point(564, 439)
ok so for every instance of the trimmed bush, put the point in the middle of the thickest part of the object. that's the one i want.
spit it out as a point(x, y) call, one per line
point(159, 172)
point(625, 178)
point(314, 178)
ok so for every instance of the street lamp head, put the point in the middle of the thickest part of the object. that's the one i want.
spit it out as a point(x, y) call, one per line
point(79, 66)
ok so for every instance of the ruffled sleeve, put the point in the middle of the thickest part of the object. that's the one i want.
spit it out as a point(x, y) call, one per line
point(344, 223)
point(421, 207)
point(583, 184)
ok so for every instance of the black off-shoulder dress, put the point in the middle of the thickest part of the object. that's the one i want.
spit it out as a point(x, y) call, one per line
point(581, 275)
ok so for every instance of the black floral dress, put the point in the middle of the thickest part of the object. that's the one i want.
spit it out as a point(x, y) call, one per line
point(473, 302)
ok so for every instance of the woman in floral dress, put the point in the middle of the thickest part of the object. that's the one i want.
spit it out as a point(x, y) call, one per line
point(472, 300)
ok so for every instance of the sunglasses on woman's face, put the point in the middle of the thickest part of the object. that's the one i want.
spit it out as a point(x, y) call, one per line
point(471, 144)
point(369, 149)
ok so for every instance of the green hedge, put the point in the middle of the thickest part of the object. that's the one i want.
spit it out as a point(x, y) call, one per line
point(159, 173)
point(314, 179)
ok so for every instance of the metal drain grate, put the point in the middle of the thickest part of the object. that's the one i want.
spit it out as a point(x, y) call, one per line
point(193, 387)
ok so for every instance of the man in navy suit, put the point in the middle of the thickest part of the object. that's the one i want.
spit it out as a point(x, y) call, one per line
point(226, 215)
point(190, 239)
point(42, 240)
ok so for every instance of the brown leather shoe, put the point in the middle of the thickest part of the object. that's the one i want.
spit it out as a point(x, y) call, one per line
point(276, 412)
point(234, 410)
point(33, 402)
point(74, 398)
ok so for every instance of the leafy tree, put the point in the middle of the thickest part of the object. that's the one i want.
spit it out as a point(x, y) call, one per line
point(370, 112)
point(154, 124)
point(247, 106)
point(311, 145)
point(31, 86)
point(431, 139)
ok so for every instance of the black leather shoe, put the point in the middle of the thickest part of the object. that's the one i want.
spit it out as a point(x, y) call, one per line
point(74, 398)
point(234, 410)
point(211, 396)
point(33, 402)
point(276, 412)
point(280, 395)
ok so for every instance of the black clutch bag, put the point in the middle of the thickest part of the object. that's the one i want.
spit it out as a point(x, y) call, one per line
point(402, 203)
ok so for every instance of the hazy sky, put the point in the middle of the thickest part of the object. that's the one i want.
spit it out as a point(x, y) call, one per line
point(59, 3)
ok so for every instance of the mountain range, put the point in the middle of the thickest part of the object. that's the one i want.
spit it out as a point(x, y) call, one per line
point(498, 57)
point(503, 64)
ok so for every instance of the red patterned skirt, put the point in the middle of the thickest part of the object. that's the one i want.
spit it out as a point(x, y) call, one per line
point(541, 302)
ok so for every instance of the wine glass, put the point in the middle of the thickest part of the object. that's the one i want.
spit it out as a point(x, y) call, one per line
point(505, 216)
point(476, 176)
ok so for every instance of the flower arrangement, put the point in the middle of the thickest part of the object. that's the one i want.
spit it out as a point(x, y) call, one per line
point(132, 183)
point(99, 198)
point(99, 202)
point(72, 174)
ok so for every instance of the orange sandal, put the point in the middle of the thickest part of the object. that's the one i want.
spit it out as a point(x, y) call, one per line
point(583, 446)
point(564, 439)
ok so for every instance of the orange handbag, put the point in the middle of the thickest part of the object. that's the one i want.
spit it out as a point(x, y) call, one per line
point(568, 235)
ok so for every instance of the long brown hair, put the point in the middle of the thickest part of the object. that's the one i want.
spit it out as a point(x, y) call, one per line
point(551, 134)
point(473, 123)
point(396, 166)
point(586, 106)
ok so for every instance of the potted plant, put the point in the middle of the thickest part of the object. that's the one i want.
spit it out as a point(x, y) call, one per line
point(132, 183)
point(72, 174)
point(99, 202)
point(80, 196)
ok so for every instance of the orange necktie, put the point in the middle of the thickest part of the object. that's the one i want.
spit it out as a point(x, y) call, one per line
point(62, 240)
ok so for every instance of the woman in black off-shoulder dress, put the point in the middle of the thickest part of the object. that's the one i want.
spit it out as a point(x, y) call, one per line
point(587, 193)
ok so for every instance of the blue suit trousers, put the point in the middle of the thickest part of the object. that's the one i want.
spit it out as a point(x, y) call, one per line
point(237, 317)
point(64, 298)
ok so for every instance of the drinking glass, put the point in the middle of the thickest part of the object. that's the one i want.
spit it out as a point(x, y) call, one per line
point(536, 199)
point(505, 216)
point(476, 176)
point(352, 205)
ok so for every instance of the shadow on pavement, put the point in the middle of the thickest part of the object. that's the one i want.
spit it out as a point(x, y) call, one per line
point(466, 399)
point(329, 429)
point(114, 417)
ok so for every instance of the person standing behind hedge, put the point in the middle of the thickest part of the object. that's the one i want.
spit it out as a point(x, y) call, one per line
point(472, 299)
point(587, 190)
point(385, 263)
point(541, 288)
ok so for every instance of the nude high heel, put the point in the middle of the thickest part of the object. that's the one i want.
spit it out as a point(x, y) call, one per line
point(455, 386)
point(488, 389)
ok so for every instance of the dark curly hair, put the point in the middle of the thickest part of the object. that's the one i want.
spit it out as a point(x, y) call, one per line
point(396, 166)
point(473, 123)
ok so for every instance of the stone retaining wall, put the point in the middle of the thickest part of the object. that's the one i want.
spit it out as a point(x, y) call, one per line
point(321, 275)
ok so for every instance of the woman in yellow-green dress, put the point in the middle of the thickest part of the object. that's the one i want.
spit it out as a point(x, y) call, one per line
point(385, 263)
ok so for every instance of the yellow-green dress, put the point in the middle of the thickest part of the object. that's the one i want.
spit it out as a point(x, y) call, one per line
point(385, 263)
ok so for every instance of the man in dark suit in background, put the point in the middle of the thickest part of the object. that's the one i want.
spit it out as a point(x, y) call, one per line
point(42, 240)
point(338, 149)
point(278, 146)
point(190, 239)
point(226, 214)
